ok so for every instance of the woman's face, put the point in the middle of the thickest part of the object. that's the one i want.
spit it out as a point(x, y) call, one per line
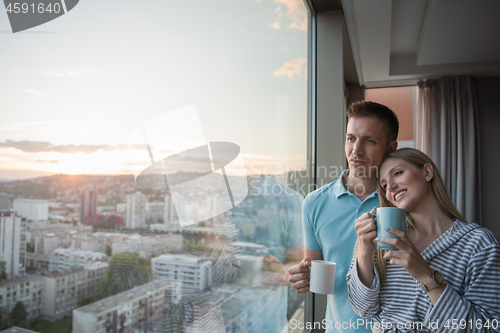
point(406, 186)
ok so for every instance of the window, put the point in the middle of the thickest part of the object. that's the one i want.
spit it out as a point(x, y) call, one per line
point(402, 101)
point(241, 95)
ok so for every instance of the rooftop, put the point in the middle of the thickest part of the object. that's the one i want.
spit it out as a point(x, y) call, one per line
point(72, 251)
point(122, 298)
point(184, 258)
point(16, 329)
point(9, 213)
point(56, 274)
point(245, 244)
point(17, 280)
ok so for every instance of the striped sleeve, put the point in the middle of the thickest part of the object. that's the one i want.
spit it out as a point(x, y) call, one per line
point(479, 308)
point(364, 300)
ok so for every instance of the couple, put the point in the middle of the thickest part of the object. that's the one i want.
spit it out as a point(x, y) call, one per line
point(445, 276)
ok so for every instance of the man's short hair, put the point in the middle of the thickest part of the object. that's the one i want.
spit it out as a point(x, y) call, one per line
point(378, 111)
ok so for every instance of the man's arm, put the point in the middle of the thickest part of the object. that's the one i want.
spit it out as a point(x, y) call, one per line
point(299, 274)
point(276, 274)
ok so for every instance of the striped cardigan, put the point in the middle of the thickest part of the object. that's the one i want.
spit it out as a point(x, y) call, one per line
point(469, 258)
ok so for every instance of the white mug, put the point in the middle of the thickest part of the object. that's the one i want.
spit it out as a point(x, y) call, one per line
point(322, 277)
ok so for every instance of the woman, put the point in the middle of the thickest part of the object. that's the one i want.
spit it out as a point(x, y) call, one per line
point(445, 277)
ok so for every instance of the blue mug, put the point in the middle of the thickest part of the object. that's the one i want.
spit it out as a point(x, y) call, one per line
point(389, 217)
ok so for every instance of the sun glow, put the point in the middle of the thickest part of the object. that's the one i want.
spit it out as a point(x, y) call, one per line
point(99, 162)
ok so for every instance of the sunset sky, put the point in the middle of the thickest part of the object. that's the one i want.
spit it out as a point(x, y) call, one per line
point(73, 90)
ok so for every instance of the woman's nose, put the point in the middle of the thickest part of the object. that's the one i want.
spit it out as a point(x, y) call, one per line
point(391, 186)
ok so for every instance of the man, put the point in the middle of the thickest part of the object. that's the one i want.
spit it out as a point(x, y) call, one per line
point(269, 229)
point(329, 213)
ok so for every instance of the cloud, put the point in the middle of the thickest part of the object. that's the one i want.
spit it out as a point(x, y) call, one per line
point(276, 25)
point(291, 68)
point(76, 72)
point(293, 10)
point(35, 92)
point(39, 147)
point(296, 12)
point(49, 161)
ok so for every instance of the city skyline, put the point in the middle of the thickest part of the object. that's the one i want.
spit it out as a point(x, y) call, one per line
point(72, 93)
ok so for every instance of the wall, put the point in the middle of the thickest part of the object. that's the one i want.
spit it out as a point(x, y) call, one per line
point(487, 89)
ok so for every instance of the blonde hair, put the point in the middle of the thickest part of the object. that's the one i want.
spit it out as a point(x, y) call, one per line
point(418, 159)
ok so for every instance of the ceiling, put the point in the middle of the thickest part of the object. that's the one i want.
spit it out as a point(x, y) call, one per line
point(398, 42)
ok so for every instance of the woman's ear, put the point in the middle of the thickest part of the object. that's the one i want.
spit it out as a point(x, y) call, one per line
point(429, 172)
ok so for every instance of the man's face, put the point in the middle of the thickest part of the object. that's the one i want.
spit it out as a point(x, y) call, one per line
point(365, 146)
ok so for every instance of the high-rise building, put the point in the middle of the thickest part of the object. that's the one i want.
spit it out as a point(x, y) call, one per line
point(4, 202)
point(12, 243)
point(32, 210)
point(121, 208)
point(155, 212)
point(136, 210)
point(88, 213)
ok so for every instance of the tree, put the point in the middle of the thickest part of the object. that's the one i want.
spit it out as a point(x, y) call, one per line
point(29, 248)
point(4, 320)
point(126, 270)
point(3, 273)
point(86, 301)
point(108, 250)
point(18, 314)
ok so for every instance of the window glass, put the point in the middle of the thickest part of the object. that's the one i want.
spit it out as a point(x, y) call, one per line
point(164, 144)
point(401, 100)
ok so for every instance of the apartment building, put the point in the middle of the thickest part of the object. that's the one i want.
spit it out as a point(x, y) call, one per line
point(124, 312)
point(193, 272)
point(64, 259)
point(147, 246)
point(12, 243)
point(91, 243)
point(26, 289)
point(36, 262)
point(62, 234)
point(63, 291)
point(32, 210)
point(96, 241)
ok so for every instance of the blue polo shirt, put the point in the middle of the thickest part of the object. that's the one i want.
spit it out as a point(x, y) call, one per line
point(329, 216)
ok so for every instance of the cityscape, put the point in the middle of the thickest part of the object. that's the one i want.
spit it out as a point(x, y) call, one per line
point(83, 253)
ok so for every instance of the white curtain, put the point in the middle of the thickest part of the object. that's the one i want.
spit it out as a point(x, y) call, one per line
point(447, 131)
